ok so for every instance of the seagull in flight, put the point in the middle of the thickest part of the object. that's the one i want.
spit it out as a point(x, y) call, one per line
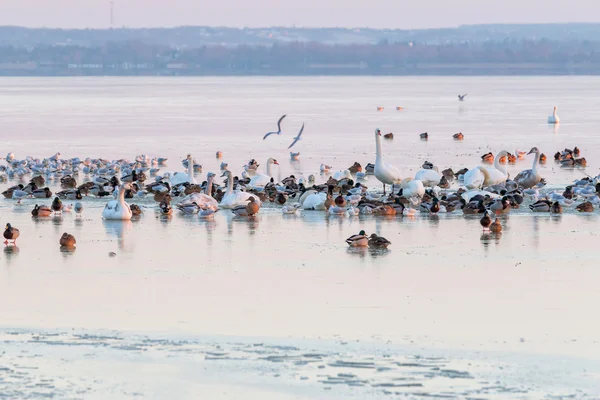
point(297, 137)
point(461, 97)
point(278, 129)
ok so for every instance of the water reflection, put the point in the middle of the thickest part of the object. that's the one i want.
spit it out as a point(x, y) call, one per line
point(118, 229)
point(10, 252)
point(67, 250)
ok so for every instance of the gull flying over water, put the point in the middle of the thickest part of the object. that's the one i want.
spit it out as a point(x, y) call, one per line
point(297, 137)
point(461, 97)
point(278, 129)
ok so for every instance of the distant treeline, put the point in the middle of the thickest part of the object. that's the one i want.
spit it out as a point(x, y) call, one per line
point(297, 58)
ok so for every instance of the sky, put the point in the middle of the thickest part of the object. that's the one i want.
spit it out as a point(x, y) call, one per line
point(302, 13)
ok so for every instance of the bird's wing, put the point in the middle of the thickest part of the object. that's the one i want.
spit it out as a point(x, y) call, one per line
point(297, 137)
point(269, 134)
point(279, 122)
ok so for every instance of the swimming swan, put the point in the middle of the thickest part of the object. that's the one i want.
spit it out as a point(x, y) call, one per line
point(553, 119)
point(235, 198)
point(118, 209)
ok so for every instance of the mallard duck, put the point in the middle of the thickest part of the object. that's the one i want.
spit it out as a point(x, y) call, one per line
point(576, 151)
point(57, 205)
point(44, 193)
point(370, 169)
point(219, 154)
point(378, 242)
point(67, 240)
point(540, 206)
point(71, 194)
point(356, 167)
point(360, 240)
point(8, 193)
point(486, 220)
point(252, 207)
point(38, 180)
point(68, 182)
point(473, 207)
point(41, 211)
point(424, 135)
point(496, 226)
point(388, 136)
point(580, 162)
point(11, 233)
point(340, 201)
point(556, 208)
point(165, 209)
point(458, 136)
point(512, 159)
point(585, 207)
point(543, 158)
point(135, 209)
point(487, 158)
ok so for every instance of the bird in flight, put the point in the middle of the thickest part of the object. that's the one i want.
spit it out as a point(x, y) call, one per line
point(461, 97)
point(278, 129)
point(297, 137)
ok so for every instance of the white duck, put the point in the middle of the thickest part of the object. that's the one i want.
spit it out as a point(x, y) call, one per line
point(530, 177)
point(118, 209)
point(260, 180)
point(553, 119)
point(234, 198)
point(179, 177)
point(385, 173)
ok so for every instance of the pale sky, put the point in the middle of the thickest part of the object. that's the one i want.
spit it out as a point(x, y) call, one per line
point(310, 13)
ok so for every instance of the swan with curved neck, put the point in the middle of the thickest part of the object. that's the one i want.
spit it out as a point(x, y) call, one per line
point(232, 198)
point(118, 209)
point(554, 119)
point(204, 201)
point(498, 174)
point(261, 180)
point(385, 173)
point(530, 177)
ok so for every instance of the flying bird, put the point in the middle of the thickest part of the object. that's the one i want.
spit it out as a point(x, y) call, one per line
point(461, 97)
point(278, 129)
point(297, 137)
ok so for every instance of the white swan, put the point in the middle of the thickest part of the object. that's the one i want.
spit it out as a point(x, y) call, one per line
point(204, 201)
point(530, 177)
point(260, 180)
point(497, 174)
point(411, 188)
point(553, 119)
point(474, 178)
point(118, 209)
point(315, 201)
point(385, 173)
point(179, 177)
point(234, 198)
point(429, 177)
point(338, 176)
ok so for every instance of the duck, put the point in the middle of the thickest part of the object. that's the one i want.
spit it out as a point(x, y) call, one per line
point(458, 136)
point(260, 180)
point(385, 173)
point(165, 208)
point(424, 136)
point(360, 240)
point(78, 208)
point(57, 205)
point(68, 182)
point(294, 156)
point(324, 168)
point(530, 177)
point(233, 198)
point(496, 226)
point(118, 209)
point(135, 210)
point(543, 158)
point(554, 119)
point(71, 194)
point(384, 209)
point(207, 213)
point(41, 211)
point(512, 159)
point(190, 208)
point(585, 207)
point(203, 199)
point(67, 240)
point(378, 242)
point(380, 108)
point(219, 155)
point(388, 136)
point(8, 193)
point(485, 221)
point(355, 168)
point(556, 208)
point(576, 151)
point(11, 233)
point(252, 207)
point(487, 158)
point(540, 206)
point(44, 193)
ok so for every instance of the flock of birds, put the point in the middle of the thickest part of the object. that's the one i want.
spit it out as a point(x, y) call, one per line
point(485, 190)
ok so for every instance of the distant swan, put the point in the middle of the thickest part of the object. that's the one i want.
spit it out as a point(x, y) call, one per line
point(261, 180)
point(179, 177)
point(553, 119)
point(118, 209)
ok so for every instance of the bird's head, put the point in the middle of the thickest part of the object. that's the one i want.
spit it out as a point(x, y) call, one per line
point(378, 132)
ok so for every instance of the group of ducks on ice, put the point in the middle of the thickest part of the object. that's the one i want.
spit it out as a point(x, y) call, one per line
point(482, 189)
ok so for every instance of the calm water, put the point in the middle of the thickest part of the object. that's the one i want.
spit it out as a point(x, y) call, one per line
point(278, 307)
